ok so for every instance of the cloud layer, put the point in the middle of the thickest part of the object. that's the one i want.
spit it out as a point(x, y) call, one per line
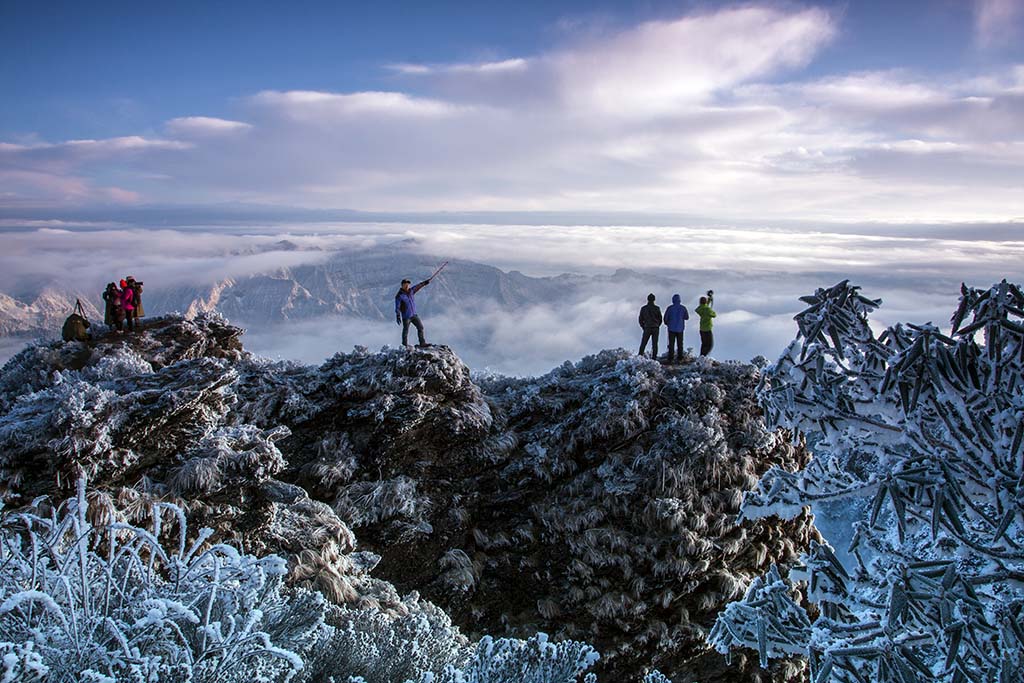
point(710, 113)
point(757, 275)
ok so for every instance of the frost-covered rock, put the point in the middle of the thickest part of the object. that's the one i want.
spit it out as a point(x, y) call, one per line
point(596, 504)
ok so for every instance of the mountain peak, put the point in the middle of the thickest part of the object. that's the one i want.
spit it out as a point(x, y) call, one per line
point(595, 502)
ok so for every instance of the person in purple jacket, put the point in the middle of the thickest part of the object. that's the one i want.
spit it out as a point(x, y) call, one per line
point(405, 310)
point(676, 316)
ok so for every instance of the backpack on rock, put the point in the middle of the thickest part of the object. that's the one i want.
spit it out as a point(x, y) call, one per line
point(76, 327)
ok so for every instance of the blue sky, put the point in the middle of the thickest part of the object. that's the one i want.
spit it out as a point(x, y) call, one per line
point(878, 111)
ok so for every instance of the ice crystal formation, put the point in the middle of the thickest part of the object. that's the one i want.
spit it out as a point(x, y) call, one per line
point(923, 432)
point(388, 517)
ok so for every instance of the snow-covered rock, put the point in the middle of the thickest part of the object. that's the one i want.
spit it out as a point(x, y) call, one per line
point(596, 504)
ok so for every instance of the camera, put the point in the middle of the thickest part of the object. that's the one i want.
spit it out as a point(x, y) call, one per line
point(711, 294)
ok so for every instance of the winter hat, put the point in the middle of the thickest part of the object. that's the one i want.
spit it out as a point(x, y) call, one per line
point(123, 284)
point(650, 297)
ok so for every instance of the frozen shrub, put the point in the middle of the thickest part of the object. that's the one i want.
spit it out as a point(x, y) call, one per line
point(536, 660)
point(381, 648)
point(929, 428)
point(80, 602)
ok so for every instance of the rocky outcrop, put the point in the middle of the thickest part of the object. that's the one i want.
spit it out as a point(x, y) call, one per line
point(596, 503)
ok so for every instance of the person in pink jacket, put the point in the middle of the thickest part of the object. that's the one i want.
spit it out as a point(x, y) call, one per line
point(128, 304)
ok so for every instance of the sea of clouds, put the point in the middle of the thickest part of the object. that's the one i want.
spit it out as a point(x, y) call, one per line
point(757, 275)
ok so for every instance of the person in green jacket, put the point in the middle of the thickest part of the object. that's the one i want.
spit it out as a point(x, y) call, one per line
point(706, 313)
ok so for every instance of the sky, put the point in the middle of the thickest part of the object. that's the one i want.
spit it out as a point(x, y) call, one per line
point(831, 112)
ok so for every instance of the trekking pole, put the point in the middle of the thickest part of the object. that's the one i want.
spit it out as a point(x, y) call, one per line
point(439, 269)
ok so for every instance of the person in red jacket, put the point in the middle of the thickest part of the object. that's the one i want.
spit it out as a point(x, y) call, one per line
point(128, 304)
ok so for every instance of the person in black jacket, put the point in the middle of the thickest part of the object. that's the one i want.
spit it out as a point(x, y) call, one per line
point(113, 314)
point(650, 323)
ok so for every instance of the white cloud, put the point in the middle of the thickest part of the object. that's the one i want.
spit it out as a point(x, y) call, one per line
point(59, 172)
point(89, 149)
point(204, 125)
point(662, 65)
point(309, 104)
point(503, 66)
point(871, 91)
point(127, 143)
point(651, 69)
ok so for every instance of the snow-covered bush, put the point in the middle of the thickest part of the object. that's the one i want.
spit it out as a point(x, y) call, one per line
point(536, 660)
point(929, 427)
point(379, 647)
point(83, 602)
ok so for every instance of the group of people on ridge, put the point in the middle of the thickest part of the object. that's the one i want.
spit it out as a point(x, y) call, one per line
point(651, 320)
point(123, 305)
point(675, 318)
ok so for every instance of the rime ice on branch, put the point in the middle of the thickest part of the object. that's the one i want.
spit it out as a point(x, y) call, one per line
point(928, 428)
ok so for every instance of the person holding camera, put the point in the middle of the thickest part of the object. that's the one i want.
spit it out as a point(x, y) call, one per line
point(136, 288)
point(707, 314)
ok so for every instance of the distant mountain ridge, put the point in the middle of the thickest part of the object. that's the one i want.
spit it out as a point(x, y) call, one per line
point(363, 284)
point(45, 311)
point(358, 283)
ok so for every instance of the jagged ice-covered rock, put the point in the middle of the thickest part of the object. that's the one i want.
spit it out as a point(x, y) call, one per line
point(423, 524)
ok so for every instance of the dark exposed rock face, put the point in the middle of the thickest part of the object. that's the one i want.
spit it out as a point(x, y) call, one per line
point(596, 502)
